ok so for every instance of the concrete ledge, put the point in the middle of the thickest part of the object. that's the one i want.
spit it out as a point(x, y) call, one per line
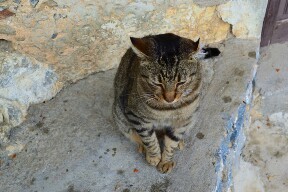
point(70, 142)
point(264, 160)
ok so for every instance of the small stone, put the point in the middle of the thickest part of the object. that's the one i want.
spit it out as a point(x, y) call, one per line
point(34, 2)
point(252, 54)
point(120, 172)
point(1, 1)
point(227, 99)
point(54, 35)
point(13, 156)
point(17, 1)
point(200, 135)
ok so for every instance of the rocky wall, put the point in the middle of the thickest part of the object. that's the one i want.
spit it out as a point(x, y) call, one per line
point(51, 43)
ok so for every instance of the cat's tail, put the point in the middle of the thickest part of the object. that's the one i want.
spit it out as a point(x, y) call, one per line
point(210, 52)
point(205, 53)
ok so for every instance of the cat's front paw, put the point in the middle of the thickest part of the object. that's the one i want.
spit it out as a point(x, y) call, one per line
point(153, 160)
point(166, 167)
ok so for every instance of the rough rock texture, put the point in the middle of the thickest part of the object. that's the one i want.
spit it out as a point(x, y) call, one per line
point(70, 142)
point(78, 38)
point(266, 150)
point(23, 81)
point(209, 3)
point(72, 39)
point(245, 17)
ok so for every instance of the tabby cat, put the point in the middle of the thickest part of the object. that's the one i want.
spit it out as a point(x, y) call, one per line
point(157, 89)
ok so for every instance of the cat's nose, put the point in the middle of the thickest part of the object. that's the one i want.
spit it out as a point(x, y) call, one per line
point(169, 96)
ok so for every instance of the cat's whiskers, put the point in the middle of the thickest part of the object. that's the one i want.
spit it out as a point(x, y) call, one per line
point(150, 99)
point(182, 101)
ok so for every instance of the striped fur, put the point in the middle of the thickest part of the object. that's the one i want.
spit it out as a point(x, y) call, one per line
point(157, 88)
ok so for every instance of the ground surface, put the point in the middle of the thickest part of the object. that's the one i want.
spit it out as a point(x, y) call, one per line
point(266, 149)
point(70, 142)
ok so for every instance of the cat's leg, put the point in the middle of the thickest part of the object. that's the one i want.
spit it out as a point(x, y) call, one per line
point(125, 127)
point(172, 140)
point(133, 135)
point(151, 145)
point(145, 137)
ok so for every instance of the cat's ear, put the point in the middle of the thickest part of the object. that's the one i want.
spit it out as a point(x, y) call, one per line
point(189, 47)
point(195, 45)
point(142, 46)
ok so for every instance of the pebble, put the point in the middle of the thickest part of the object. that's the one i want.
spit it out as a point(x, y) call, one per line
point(54, 35)
point(34, 2)
point(17, 1)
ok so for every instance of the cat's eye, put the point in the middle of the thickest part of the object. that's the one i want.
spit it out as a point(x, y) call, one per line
point(192, 74)
point(158, 84)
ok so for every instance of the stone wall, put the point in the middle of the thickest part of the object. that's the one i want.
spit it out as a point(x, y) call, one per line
point(55, 42)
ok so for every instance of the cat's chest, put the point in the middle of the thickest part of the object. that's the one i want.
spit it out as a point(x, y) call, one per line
point(170, 118)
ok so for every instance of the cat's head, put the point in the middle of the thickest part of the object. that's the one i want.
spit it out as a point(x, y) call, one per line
point(168, 73)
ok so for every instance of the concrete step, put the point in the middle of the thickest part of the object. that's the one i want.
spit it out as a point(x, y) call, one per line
point(71, 144)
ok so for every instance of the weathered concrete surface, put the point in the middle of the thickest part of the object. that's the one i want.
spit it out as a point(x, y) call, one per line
point(72, 39)
point(245, 17)
point(266, 150)
point(70, 143)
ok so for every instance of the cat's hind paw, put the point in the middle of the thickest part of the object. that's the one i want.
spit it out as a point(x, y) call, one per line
point(166, 167)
